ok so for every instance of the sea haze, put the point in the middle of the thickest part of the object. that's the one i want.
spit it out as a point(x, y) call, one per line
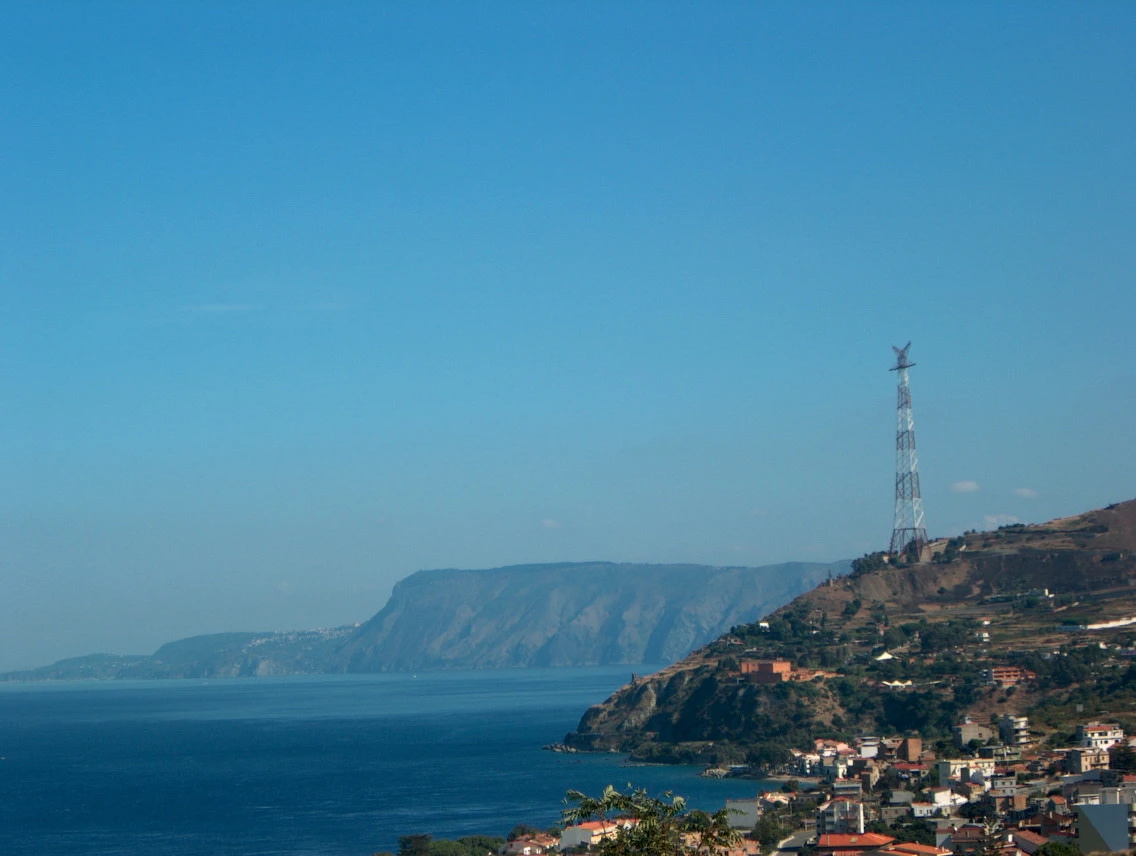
point(302, 765)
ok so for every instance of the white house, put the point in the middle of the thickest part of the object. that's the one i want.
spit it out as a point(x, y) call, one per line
point(743, 813)
point(1099, 735)
point(592, 832)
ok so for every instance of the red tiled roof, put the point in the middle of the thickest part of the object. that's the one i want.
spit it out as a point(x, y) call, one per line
point(866, 841)
point(969, 832)
point(599, 824)
point(917, 849)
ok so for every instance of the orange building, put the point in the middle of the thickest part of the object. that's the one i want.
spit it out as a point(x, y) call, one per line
point(767, 671)
point(1006, 676)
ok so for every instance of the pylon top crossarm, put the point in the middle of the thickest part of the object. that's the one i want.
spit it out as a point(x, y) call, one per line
point(901, 361)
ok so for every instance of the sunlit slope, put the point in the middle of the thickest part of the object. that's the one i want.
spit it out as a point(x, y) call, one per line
point(1034, 596)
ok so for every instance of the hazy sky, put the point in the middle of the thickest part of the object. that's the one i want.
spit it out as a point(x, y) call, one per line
point(299, 298)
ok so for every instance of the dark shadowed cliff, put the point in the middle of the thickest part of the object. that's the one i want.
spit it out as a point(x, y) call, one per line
point(567, 614)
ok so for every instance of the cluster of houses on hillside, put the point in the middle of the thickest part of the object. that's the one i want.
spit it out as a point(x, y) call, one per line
point(1004, 795)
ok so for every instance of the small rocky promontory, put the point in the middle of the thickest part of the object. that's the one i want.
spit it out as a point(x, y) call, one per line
point(904, 647)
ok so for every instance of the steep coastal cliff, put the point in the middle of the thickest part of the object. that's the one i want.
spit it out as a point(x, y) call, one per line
point(905, 648)
point(571, 614)
point(567, 614)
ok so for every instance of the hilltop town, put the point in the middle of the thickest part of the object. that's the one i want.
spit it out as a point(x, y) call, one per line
point(989, 681)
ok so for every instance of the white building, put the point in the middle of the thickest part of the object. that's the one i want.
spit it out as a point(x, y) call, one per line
point(1099, 735)
point(869, 747)
point(924, 809)
point(1014, 730)
point(840, 816)
point(973, 770)
point(591, 833)
point(743, 813)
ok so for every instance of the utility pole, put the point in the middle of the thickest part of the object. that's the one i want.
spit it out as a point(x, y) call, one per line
point(909, 532)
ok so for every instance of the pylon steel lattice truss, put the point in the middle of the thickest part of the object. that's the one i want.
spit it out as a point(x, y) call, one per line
point(909, 532)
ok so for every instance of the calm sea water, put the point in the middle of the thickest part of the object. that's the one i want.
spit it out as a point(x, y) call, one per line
point(338, 765)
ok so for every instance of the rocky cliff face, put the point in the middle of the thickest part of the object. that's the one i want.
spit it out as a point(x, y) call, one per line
point(1011, 597)
point(528, 615)
point(567, 614)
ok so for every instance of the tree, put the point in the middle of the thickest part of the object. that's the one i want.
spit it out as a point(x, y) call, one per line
point(660, 827)
point(1122, 757)
point(976, 810)
point(991, 842)
point(919, 831)
point(522, 830)
point(768, 832)
point(414, 845)
point(479, 845)
point(1058, 848)
point(445, 847)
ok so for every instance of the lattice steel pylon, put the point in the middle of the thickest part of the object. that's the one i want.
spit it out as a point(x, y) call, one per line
point(909, 532)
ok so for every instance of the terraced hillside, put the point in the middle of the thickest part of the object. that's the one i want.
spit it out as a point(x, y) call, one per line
point(1051, 599)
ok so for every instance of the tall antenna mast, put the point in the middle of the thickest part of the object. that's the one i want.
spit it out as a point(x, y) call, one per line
point(908, 529)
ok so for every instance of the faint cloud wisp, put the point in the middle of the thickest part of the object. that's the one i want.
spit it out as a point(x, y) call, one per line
point(1025, 493)
point(993, 521)
point(965, 486)
point(221, 308)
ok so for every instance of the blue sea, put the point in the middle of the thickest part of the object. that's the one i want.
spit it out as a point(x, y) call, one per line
point(337, 765)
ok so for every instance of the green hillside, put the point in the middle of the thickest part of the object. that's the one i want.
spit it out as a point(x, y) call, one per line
point(1021, 596)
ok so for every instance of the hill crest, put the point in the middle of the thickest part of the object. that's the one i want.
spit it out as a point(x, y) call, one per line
point(1012, 596)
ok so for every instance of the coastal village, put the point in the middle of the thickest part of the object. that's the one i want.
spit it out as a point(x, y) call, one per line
point(975, 699)
point(1001, 792)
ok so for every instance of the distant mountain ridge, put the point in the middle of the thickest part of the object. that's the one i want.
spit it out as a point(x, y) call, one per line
point(572, 614)
point(566, 614)
point(217, 655)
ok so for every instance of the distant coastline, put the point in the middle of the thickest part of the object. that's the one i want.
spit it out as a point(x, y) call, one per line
point(565, 614)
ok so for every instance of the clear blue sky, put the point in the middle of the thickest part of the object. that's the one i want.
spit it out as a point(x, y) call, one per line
point(298, 298)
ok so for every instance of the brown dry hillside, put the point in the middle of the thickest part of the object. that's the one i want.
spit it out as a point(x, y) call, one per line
point(1022, 595)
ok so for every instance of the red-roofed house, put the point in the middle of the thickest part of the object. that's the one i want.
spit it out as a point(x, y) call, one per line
point(1028, 842)
point(1099, 735)
point(527, 846)
point(592, 832)
point(965, 839)
point(910, 767)
point(851, 845)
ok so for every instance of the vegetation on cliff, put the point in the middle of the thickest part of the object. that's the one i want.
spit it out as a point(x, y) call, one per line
point(900, 647)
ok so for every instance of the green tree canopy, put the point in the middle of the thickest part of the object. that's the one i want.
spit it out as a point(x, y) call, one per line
point(414, 845)
point(661, 827)
point(1058, 848)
